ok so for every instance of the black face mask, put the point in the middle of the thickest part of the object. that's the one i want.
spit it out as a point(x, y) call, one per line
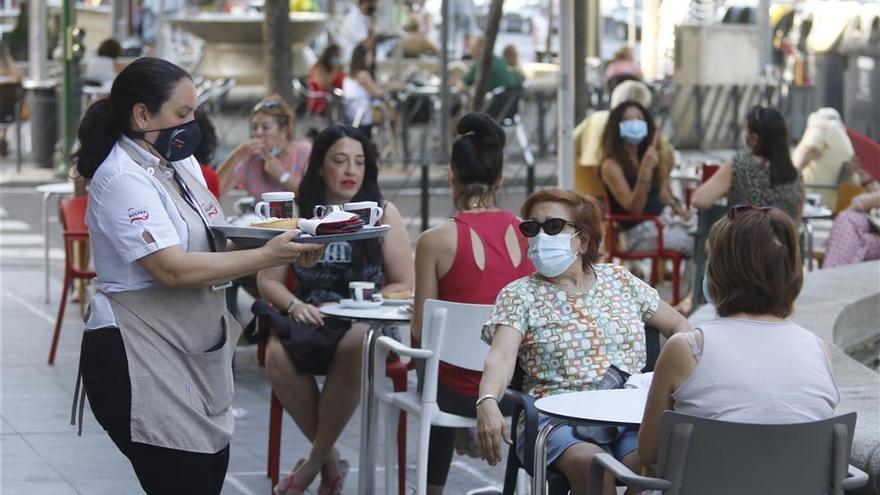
point(175, 143)
point(371, 10)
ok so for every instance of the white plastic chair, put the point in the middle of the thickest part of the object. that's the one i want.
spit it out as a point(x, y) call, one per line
point(450, 333)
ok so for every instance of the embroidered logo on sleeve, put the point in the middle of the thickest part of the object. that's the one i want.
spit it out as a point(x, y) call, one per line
point(210, 209)
point(138, 214)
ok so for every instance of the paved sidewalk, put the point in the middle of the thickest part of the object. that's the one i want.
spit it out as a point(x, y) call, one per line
point(42, 455)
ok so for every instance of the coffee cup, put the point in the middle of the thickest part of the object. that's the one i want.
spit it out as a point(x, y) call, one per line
point(369, 211)
point(363, 291)
point(321, 211)
point(276, 205)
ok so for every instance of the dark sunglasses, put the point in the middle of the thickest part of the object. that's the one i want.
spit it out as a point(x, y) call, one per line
point(266, 105)
point(551, 226)
point(736, 210)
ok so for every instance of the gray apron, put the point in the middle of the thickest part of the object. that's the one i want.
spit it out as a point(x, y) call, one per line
point(180, 341)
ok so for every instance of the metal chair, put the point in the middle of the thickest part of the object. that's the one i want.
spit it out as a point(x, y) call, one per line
point(73, 214)
point(452, 334)
point(502, 104)
point(656, 255)
point(700, 455)
point(524, 407)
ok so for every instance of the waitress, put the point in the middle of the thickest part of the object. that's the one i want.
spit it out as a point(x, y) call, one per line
point(156, 358)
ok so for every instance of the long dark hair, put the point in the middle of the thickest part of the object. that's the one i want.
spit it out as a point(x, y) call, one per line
point(147, 80)
point(614, 146)
point(326, 58)
point(477, 158)
point(312, 189)
point(769, 125)
point(359, 60)
point(204, 152)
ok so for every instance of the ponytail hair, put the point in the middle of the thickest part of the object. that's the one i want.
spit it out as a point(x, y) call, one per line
point(147, 80)
point(769, 125)
point(477, 158)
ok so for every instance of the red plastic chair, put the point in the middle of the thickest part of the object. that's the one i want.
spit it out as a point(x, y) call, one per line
point(394, 369)
point(655, 255)
point(73, 214)
point(868, 152)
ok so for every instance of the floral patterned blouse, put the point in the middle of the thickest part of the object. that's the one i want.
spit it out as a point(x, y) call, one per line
point(569, 339)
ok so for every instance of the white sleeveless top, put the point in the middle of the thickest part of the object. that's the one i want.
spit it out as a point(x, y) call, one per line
point(759, 372)
point(356, 97)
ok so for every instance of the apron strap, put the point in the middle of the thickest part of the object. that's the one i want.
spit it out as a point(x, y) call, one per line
point(79, 398)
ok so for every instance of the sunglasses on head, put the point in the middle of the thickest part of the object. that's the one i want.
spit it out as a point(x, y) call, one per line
point(551, 226)
point(736, 210)
point(266, 105)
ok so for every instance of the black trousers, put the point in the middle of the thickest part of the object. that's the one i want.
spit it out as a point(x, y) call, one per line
point(441, 446)
point(160, 470)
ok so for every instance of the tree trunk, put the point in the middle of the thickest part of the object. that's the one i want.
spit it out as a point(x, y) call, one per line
point(277, 38)
point(481, 83)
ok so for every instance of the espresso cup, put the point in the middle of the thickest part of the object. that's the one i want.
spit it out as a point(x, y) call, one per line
point(276, 205)
point(321, 211)
point(369, 211)
point(361, 291)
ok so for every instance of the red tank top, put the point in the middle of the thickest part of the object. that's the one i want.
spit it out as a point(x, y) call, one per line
point(467, 283)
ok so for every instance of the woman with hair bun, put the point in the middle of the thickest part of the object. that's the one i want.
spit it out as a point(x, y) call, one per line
point(468, 260)
point(156, 357)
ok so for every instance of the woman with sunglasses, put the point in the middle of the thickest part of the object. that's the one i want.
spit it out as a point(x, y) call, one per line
point(468, 260)
point(271, 160)
point(567, 324)
point(751, 364)
point(763, 174)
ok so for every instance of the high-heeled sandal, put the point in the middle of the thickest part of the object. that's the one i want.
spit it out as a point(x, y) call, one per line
point(336, 484)
point(288, 485)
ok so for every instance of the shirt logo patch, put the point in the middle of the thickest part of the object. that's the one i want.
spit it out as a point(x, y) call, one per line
point(210, 209)
point(135, 214)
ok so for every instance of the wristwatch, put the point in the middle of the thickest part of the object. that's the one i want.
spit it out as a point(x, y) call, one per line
point(284, 177)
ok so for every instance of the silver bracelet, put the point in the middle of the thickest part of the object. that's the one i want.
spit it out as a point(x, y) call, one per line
point(483, 398)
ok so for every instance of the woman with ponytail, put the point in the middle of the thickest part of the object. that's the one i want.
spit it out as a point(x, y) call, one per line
point(468, 260)
point(156, 357)
point(763, 174)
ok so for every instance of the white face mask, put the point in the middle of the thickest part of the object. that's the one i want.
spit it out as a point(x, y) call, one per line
point(551, 254)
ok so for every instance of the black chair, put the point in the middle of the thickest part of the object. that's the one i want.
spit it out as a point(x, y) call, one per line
point(524, 405)
point(503, 105)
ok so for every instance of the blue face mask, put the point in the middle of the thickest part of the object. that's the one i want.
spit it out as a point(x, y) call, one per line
point(634, 131)
point(336, 61)
point(551, 254)
point(174, 143)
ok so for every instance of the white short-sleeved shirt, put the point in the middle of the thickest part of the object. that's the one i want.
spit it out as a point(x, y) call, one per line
point(125, 201)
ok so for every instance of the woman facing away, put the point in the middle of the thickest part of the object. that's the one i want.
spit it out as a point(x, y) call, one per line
point(342, 169)
point(751, 364)
point(467, 260)
point(762, 175)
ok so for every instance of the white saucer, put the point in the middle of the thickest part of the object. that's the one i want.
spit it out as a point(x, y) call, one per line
point(397, 302)
point(351, 303)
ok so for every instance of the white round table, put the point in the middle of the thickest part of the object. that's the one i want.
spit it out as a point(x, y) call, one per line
point(619, 407)
point(369, 423)
point(382, 313)
point(49, 190)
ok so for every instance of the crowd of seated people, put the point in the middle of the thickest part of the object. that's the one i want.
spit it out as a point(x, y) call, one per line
point(556, 299)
